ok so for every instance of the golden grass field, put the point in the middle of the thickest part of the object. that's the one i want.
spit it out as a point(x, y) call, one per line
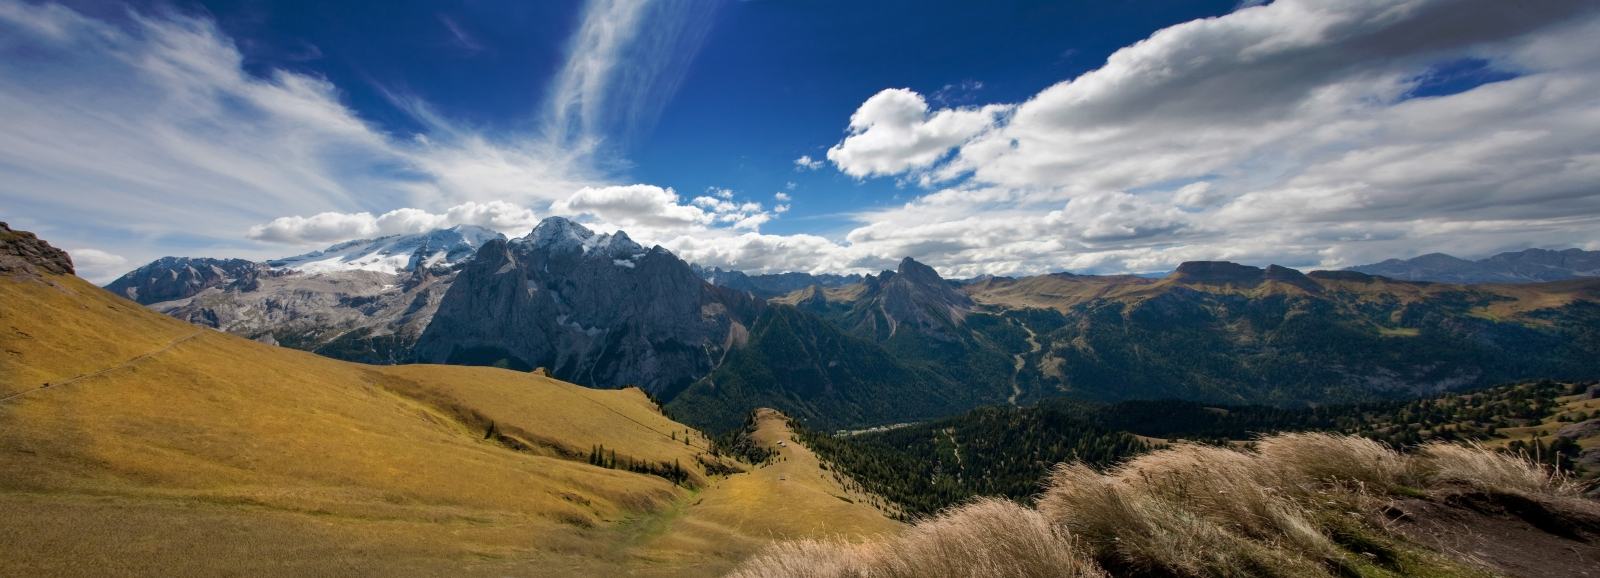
point(164, 449)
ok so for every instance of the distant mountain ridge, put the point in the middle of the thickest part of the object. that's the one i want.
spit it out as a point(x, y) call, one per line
point(1528, 266)
point(769, 285)
point(1210, 331)
point(364, 300)
point(842, 351)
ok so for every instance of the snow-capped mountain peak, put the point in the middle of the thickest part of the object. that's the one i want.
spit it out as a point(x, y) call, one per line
point(560, 234)
point(394, 253)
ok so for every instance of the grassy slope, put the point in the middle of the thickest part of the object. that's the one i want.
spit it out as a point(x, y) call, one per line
point(209, 452)
point(790, 497)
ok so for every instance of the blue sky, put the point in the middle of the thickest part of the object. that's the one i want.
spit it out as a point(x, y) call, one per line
point(992, 137)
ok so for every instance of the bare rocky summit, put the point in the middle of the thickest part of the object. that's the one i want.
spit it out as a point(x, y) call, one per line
point(22, 252)
point(171, 278)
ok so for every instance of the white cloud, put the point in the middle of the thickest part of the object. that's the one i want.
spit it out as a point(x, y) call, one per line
point(1294, 132)
point(332, 227)
point(633, 206)
point(501, 216)
point(190, 150)
point(318, 228)
point(1197, 195)
point(806, 163)
point(623, 64)
point(96, 265)
point(1115, 216)
point(759, 253)
point(894, 132)
point(781, 197)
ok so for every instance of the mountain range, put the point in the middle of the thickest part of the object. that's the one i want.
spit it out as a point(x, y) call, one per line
point(770, 284)
point(848, 351)
point(1529, 266)
point(594, 308)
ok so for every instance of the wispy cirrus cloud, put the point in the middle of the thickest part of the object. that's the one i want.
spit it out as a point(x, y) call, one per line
point(623, 65)
point(192, 153)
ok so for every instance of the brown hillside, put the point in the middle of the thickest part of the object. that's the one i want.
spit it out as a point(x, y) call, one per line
point(136, 444)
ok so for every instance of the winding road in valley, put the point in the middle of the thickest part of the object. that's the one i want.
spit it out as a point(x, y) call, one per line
point(1019, 360)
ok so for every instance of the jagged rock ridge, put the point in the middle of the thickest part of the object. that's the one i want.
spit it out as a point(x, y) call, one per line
point(365, 300)
point(171, 278)
point(596, 309)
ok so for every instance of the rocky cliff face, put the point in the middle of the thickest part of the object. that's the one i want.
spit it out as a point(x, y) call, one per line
point(366, 300)
point(912, 296)
point(366, 316)
point(23, 253)
point(172, 278)
point(591, 308)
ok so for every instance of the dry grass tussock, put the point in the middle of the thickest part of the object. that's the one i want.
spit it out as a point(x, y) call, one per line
point(1476, 466)
point(1296, 505)
point(985, 538)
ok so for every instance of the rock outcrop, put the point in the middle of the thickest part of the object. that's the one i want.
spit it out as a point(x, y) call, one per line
point(22, 252)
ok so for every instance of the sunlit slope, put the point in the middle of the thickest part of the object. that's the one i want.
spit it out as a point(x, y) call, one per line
point(790, 497)
point(183, 451)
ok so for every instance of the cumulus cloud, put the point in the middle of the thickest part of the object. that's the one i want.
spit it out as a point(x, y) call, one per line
point(1115, 216)
point(652, 212)
point(332, 227)
point(760, 253)
point(894, 132)
point(806, 163)
point(633, 205)
point(96, 265)
point(1308, 133)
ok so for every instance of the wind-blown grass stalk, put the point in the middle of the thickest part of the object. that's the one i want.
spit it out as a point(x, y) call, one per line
point(1188, 510)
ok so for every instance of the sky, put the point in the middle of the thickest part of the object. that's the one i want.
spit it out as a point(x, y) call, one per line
point(1001, 137)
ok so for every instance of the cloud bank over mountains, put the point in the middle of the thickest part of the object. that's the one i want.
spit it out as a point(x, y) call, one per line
point(1299, 132)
